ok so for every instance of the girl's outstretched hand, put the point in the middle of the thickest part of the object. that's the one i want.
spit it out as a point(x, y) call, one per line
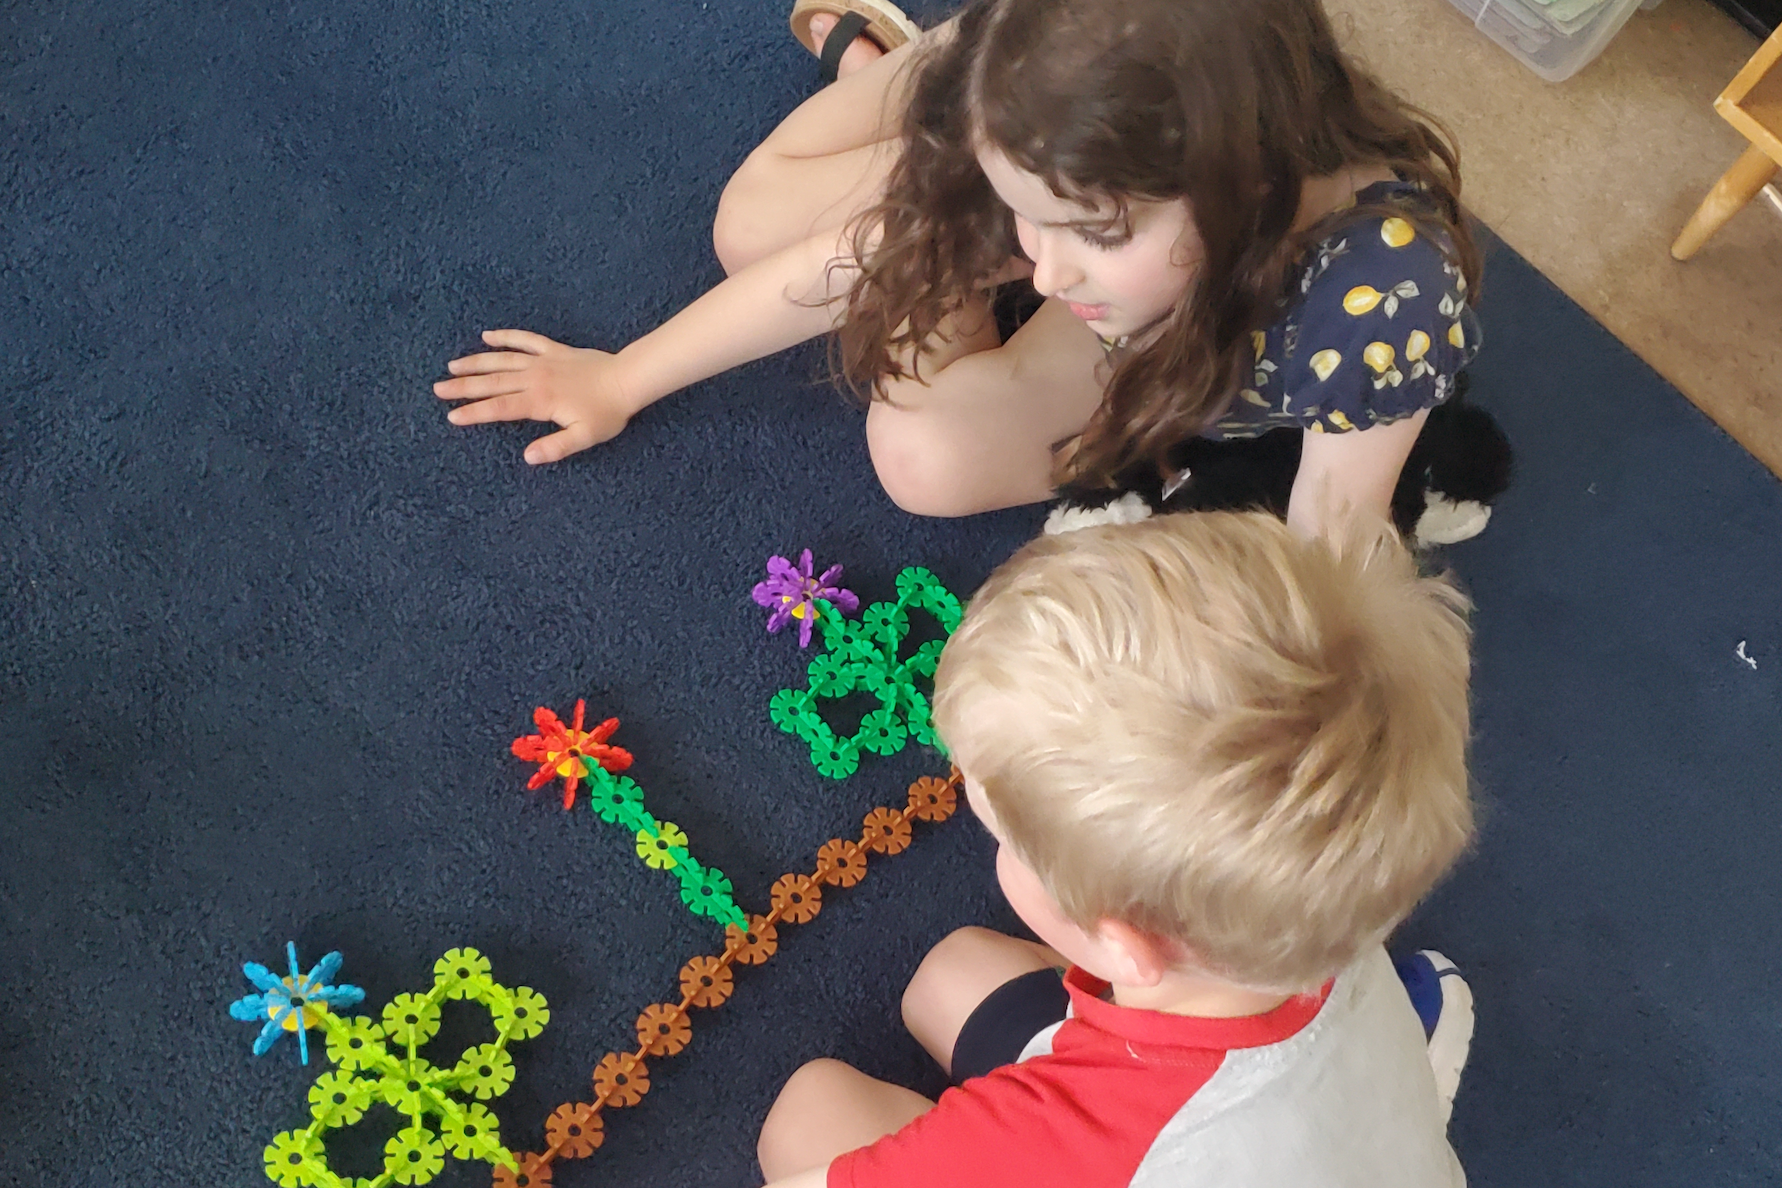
point(529, 377)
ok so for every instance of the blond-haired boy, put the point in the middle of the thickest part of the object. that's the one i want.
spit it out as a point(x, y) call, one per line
point(1222, 762)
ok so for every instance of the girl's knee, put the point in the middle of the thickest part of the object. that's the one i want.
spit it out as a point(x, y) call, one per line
point(915, 465)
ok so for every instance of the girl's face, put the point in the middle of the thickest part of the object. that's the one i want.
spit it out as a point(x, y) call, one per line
point(1119, 275)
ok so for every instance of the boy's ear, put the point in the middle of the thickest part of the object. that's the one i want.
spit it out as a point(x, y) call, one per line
point(1140, 958)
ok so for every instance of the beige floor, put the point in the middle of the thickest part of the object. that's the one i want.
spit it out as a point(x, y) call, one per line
point(1590, 179)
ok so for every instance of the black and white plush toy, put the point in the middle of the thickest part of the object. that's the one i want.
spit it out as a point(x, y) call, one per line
point(1459, 466)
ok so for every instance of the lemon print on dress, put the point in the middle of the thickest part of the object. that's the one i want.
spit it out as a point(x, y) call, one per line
point(1363, 298)
point(1325, 362)
point(1259, 340)
point(1254, 397)
point(1457, 336)
point(1397, 232)
point(1381, 358)
point(1340, 421)
point(1416, 347)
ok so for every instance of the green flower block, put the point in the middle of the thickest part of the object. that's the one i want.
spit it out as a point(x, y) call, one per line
point(461, 973)
point(926, 659)
point(881, 732)
point(617, 800)
point(485, 1071)
point(367, 1070)
point(294, 1160)
point(339, 1099)
point(413, 1156)
point(657, 846)
point(473, 1132)
point(837, 758)
point(356, 1043)
point(708, 892)
point(863, 656)
point(407, 1089)
point(922, 726)
point(523, 1016)
point(411, 1020)
point(887, 623)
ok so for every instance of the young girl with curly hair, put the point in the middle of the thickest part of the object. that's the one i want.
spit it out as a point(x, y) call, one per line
point(1233, 228)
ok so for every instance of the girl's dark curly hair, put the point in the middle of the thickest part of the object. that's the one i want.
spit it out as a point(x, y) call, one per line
point(1227, 105)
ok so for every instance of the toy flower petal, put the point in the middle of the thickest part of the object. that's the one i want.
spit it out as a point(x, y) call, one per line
point(250, 1009)
point(262, 977)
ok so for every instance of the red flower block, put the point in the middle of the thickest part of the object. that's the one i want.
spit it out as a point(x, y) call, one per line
point(567, 751)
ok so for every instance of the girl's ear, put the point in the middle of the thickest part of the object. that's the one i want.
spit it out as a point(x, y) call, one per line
point(1137, 957)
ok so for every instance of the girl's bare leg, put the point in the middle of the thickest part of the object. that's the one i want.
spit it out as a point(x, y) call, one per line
point(828, 1108)
point(978, 435)
point(825, 163)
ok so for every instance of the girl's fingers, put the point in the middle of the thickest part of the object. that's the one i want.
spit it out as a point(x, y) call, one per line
point(518, 340)
point(557, 446)
point(511, 407)
point(478, 387)
point(489, 361)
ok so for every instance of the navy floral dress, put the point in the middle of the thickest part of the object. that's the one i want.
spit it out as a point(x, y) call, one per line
point(1379, 330)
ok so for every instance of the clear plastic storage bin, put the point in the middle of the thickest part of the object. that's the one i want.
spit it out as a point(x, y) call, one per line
point(1554, 38)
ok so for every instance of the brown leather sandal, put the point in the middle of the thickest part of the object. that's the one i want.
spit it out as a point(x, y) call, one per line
point(880, 22)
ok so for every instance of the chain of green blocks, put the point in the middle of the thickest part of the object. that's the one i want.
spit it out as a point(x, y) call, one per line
point(369, 1071)
point(862, 655)
point(705, 890)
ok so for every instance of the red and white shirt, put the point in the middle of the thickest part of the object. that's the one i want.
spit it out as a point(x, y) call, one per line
point(1333, 1089)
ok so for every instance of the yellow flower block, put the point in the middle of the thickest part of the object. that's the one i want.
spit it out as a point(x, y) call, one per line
point(1379, 356)
point(1397, 232)
point(1361, 299)
point(1417, 346)
point(1325, 362)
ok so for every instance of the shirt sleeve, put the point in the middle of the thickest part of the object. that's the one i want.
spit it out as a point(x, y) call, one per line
point(1383, 330)
point(1039, 1122)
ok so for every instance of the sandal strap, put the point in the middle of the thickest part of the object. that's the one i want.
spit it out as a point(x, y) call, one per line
point(850, 26)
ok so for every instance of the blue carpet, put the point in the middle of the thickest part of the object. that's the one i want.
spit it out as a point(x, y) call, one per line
point(270, 623)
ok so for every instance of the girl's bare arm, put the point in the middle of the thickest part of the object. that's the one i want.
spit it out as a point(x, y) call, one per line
point(1347, 474)
point(777, 302)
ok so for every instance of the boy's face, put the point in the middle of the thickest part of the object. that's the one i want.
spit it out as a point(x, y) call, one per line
point(1035, 905)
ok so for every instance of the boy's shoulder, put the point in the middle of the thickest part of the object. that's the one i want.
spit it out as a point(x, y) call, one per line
point(1127, 1097)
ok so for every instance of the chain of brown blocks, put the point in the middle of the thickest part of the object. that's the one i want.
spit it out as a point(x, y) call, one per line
point(575, 1129)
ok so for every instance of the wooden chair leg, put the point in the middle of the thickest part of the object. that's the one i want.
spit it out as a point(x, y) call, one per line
point(1737, 186)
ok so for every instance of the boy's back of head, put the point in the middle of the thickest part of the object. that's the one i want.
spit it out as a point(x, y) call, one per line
point(1217, 731)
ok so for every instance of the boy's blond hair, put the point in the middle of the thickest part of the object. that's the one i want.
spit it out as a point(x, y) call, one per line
point(1221, 733)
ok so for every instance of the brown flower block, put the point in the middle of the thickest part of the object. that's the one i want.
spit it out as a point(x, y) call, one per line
point(663, 1030)
point(754, 944)
point(796, 898)
point(706, 981)
point(886, 831)
point(933, 799)
point(840, 863)
point(621, 1079)
point(575, 1129)
point(534, 1172)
